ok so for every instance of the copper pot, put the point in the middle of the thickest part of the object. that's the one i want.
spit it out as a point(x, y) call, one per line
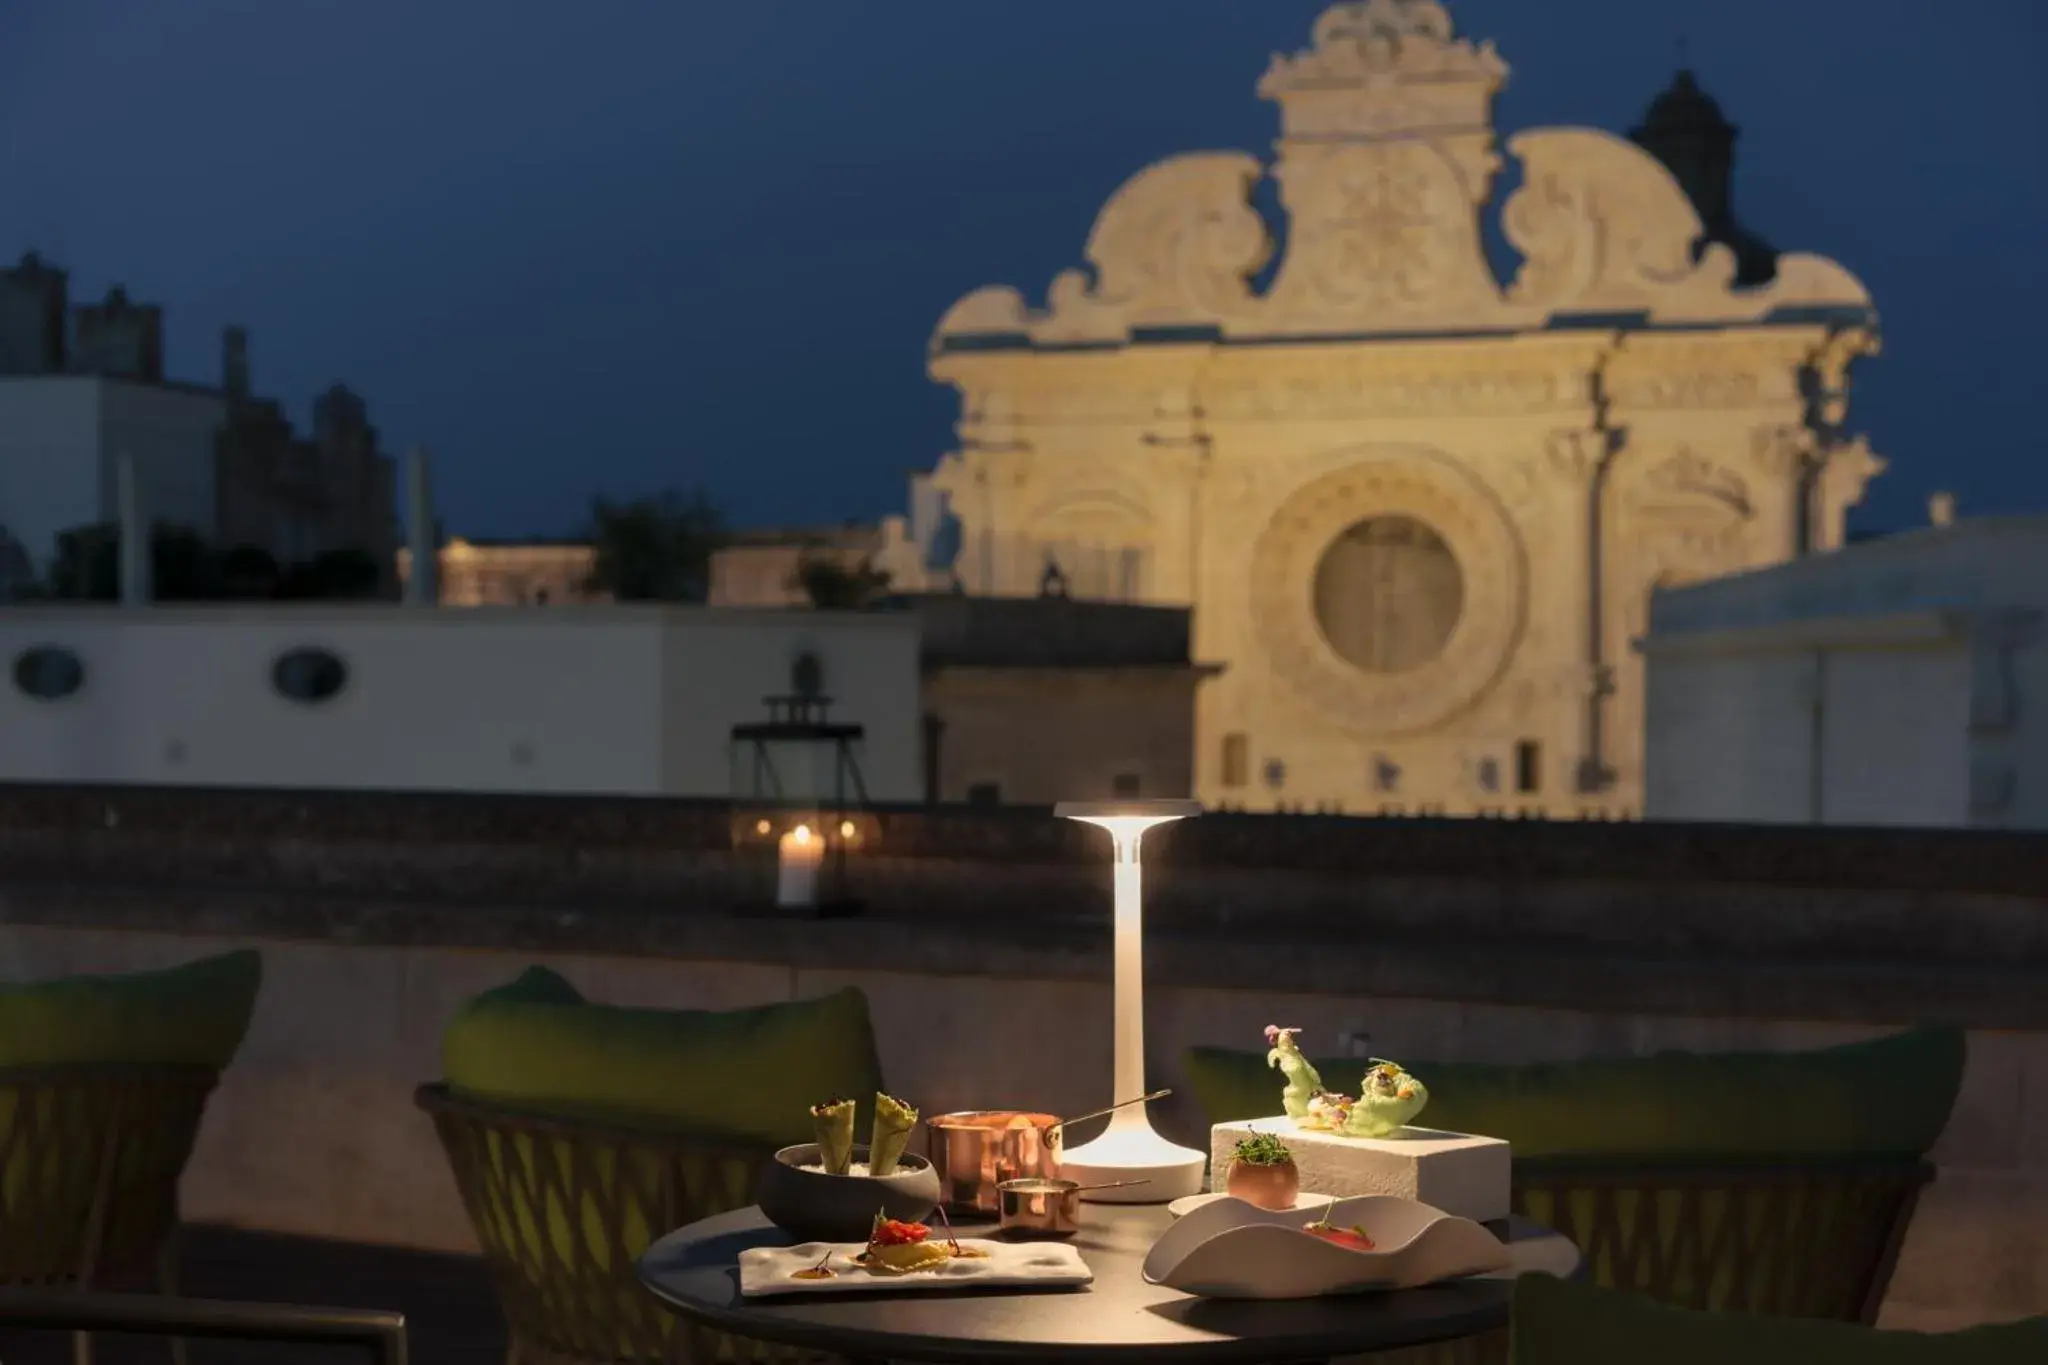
point(1274, 1186)
point(977, 1151)
point(1046, 1208)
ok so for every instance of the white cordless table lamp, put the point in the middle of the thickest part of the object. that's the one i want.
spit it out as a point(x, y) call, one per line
point(1129, 1149)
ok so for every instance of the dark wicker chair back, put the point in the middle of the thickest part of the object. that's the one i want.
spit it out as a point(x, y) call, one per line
point(1815, 1239)
point(90, 1157)
point(563, 1206)
point(1812, 1240)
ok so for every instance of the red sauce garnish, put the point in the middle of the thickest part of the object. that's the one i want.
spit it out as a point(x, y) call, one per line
point(1351, 1239)
point(890, 1233)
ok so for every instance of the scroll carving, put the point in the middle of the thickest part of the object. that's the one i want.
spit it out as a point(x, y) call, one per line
point(1177, 244)
point(1603, 227)
point(1385, 160)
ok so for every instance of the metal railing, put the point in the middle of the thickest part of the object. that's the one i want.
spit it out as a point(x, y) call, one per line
point(67, 1310)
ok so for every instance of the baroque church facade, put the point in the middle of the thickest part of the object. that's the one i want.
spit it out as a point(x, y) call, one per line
point(1417, 511)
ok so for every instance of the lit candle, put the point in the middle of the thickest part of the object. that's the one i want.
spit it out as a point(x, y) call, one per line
point(799, 855)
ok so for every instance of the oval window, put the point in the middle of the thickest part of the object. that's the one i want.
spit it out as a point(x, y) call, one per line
point(48, 672)
point(308, 675)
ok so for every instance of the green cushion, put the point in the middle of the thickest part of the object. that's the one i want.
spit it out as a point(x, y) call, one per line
point(1555, 1323)
point(748, 1076)
point(194, 1015)
point(1886, 1098)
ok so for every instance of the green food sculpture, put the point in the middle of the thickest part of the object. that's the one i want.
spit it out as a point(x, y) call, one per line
point(1389, 1098)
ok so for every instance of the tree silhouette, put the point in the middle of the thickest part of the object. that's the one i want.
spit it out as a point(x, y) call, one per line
point(249, 572)
point(337, 575)
point(655, 549)
point(184, 568)
point(832, 585)
point(88, 564)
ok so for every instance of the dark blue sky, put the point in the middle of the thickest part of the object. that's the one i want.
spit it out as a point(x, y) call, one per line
point(638, 243)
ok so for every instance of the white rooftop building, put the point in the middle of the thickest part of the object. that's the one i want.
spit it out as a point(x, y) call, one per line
point(1901, 681)
point(61, 436)
point(625, 700)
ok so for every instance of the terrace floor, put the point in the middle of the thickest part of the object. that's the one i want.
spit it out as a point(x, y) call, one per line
point(451, 1312)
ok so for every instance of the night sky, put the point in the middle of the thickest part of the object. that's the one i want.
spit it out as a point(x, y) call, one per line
point(621, 246)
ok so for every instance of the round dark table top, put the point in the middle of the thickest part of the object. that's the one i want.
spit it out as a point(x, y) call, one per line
point(1118, 1318)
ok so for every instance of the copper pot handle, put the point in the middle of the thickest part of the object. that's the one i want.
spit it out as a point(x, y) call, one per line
point(1120, 1104)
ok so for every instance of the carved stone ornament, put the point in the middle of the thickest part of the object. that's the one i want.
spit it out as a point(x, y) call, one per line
point(1384, 166)
point(1847, 469)
point(1686, 475)
point(1385, 482)
point(1783, 451)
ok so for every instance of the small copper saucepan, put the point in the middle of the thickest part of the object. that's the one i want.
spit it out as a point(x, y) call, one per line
point(1046, 1208)
point(976, 1151)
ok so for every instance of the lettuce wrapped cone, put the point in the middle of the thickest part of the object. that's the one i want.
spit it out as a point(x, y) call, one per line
point(1388, 1100)
point(893, 1121)
point(834, 1121)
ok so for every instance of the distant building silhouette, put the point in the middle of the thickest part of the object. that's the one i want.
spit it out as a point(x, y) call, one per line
point(81, 387)
point(300, 498)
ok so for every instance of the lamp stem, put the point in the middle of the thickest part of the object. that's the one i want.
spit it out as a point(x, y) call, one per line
point(1129, 983)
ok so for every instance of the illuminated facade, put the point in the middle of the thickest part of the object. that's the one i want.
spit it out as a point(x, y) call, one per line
point(1418, 512)
point(512, 573)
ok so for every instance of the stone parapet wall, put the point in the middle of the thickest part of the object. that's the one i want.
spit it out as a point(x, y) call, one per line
point(1882, 926)
point(243, 828)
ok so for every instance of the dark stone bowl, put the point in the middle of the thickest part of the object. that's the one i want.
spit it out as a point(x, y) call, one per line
point(814, 1207)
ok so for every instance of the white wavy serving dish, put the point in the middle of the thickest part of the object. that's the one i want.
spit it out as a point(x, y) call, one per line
point(766, 1271)
point(1233, 1250)
point(1305, 1202)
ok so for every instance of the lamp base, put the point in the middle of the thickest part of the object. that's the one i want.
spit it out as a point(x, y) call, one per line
point(1169, 1170)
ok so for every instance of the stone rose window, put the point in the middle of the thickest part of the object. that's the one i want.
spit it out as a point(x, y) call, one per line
point(1388, 594)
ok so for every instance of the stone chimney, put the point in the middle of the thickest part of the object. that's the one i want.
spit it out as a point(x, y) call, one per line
point(134, 548)
point(234, 363)
point(1941, 509)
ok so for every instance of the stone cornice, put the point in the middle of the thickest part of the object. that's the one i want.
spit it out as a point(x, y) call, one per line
point(1723, 371)
point(1546, 375)
point(1639, 373)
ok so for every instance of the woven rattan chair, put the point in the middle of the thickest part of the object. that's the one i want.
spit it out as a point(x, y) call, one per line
point(1808, 1239)
point(1814, 1239)
point(90, 1157)
point(564, 1205)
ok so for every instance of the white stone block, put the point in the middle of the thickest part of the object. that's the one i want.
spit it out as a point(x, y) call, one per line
point(1456, 1172)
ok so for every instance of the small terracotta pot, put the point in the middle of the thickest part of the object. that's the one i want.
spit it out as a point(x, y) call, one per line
point(1268, 1187)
